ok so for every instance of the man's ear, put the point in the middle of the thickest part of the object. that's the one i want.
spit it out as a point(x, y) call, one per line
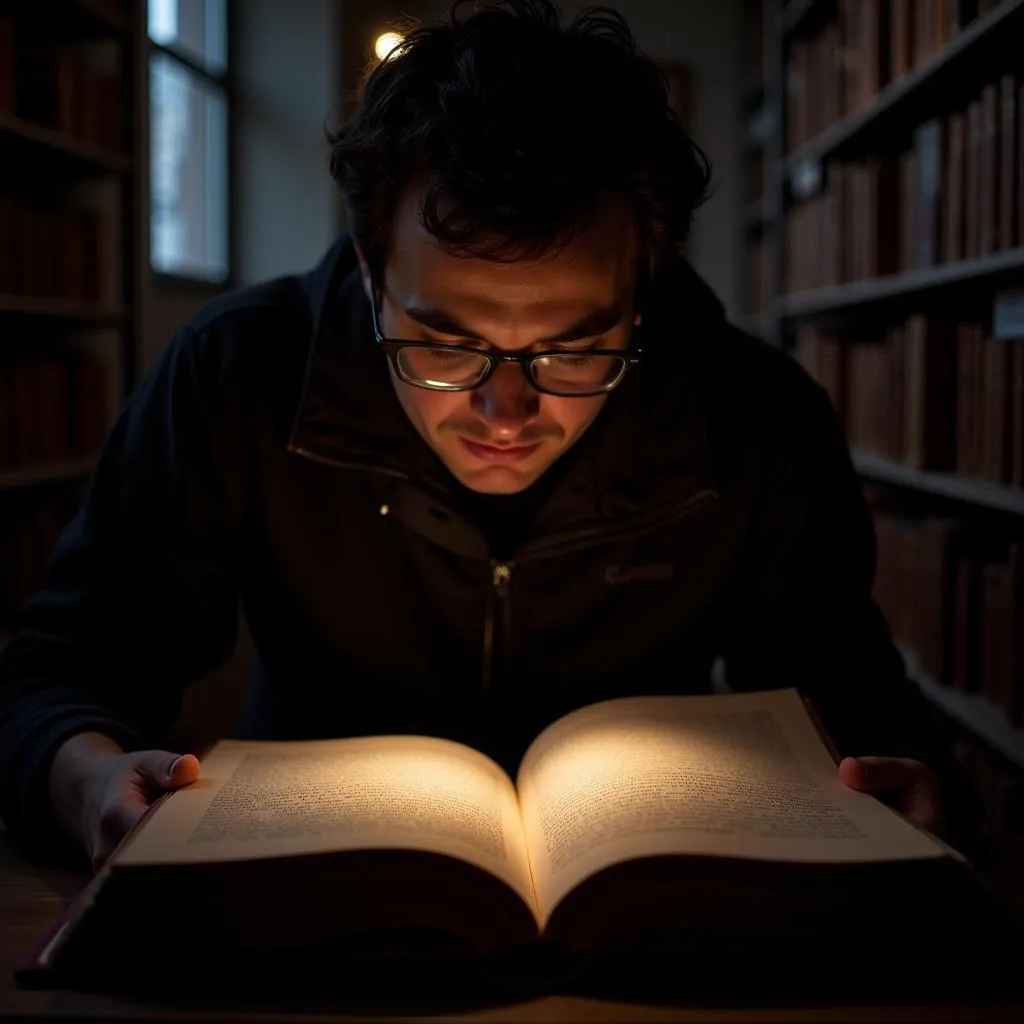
point(364, 270)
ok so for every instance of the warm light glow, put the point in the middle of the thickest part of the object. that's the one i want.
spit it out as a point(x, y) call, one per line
point(385, 43)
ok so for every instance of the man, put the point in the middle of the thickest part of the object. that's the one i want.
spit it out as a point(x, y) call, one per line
point(498, 456)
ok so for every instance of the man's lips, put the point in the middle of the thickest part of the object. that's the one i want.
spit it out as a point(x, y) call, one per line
point(497, 453)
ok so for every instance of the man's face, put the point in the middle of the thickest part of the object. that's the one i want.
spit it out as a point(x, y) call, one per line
point(500, 437)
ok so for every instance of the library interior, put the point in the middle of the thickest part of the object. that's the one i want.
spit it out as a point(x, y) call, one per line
point(864, 220)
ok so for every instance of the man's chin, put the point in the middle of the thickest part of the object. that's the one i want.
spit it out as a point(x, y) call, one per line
point(506, 478)
point(498, 479)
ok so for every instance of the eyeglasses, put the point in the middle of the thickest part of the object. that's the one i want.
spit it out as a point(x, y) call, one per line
point(426, 364)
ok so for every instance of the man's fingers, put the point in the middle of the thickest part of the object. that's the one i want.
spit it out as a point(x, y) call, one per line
point(924, 806)
point(164, 770)
point(902, 783)
point(880, 774)
point(120, 816)
point(117, 819)
point(186, 770)
point(852, 775)
point(131, 795)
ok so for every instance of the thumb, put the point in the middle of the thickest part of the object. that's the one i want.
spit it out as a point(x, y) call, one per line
point(878, 774)
point(164, 770)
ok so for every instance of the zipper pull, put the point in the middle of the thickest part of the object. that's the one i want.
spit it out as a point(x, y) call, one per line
point(500, 577)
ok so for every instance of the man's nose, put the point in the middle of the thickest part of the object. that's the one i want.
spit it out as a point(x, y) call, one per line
point(507, 401)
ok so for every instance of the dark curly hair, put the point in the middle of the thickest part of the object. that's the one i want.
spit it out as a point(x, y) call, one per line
point(517, 130)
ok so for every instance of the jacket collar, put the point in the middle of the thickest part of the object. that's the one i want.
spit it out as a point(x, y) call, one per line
point(649, 445)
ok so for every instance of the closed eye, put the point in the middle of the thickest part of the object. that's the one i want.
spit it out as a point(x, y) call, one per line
point(567, 347)
point(578, 346)
point(453, 340)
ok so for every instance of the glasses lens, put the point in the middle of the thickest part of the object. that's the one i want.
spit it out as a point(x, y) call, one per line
point(572, 373)
point(442, 367)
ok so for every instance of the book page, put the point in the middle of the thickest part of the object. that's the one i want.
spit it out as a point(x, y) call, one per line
point(735, 775)
point(274, 799)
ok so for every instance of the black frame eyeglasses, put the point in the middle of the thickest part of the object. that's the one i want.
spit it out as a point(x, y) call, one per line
point(476, 366)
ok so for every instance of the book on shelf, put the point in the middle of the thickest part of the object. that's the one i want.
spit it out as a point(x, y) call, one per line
point(53, 409)
point(953, 592)
point(870, 45)
point(932, 394)
point(644, 827)
point(63, 247)
point(48, 249)
point(953, 193)
point(56, 87)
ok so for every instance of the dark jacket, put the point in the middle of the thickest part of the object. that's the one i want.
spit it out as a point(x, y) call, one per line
point(711, 510)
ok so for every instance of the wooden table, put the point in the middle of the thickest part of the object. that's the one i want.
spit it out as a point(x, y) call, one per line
point(32, 896)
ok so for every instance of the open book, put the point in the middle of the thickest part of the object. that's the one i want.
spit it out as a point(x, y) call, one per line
point(633, 824)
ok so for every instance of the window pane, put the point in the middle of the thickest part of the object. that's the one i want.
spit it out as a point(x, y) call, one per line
point(198, 28)
point(188, 172)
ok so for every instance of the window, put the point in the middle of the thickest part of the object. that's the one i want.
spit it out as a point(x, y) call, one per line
point(188, 123)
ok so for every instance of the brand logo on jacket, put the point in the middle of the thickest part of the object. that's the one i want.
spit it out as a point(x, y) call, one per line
point(615, 574)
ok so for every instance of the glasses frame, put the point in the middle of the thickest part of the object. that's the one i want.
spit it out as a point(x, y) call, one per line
point(630, 357)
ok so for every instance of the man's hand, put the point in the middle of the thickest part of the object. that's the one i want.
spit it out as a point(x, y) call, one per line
point(99, 792)
point(905, 785)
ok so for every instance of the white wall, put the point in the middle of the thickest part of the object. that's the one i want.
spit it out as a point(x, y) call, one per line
point(704, 34)
point(286, 204)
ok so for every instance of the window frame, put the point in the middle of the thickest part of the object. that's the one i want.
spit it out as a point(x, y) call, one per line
point(224, 83)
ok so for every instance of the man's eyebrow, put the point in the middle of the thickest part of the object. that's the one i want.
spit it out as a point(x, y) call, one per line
point(597, 321)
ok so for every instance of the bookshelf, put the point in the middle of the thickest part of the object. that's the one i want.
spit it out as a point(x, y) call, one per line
point(28, 142)
point(978, 493)
point(915, 286)
point(916, 95)
point(69, 262)
point(21, 307)
point(921, 91)
point(885, 243)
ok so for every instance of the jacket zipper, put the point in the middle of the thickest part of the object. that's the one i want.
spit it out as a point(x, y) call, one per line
point(499, 611)
point(498, 606)
point(498, 619)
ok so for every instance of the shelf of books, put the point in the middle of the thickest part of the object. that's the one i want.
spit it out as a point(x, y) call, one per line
point(898, 276)
point(67, 256)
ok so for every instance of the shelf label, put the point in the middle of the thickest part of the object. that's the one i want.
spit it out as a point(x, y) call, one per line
point(1008, 314)
point(806, 178)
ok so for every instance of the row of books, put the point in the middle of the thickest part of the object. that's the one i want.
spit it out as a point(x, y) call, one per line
point(956, 193)
point(30, 527)
point(954, 594)
point(53, 84)
point(48, 251)
point(870, 44)
point(51, 409)
point(934, 395)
